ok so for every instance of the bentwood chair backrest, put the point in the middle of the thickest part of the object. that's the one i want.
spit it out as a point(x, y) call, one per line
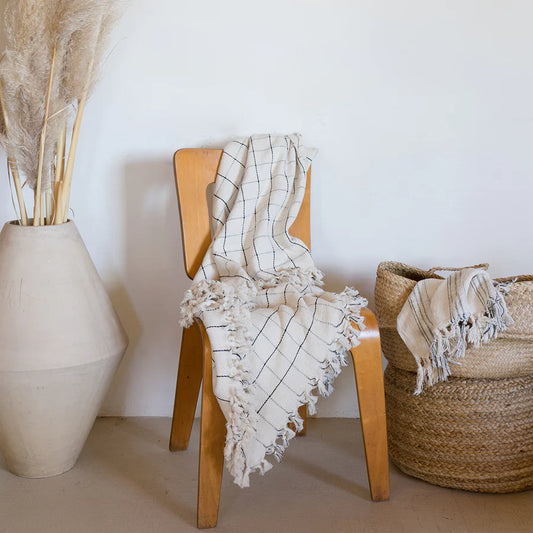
point(196, 169)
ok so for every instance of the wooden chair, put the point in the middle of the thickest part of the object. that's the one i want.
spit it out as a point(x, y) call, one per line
point(195, 169)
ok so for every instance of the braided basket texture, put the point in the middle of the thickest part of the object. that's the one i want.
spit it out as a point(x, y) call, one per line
point(475, 431)
point(465, 433)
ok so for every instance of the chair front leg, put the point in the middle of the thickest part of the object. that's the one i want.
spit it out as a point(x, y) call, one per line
point(212, 439)
point(371, 396)
point(187, 388)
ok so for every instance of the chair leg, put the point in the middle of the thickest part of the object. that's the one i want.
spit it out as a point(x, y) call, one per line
point(370, 392)
point(212, 438)
point(187, 388)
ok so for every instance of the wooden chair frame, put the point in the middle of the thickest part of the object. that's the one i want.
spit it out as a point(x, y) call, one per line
point(195, 169)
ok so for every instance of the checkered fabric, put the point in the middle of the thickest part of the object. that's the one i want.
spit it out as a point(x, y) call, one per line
point(276, 336)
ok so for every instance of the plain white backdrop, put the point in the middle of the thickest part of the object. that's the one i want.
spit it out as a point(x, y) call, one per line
point(422, 113)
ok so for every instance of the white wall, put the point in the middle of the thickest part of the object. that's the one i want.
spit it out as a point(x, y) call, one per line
point(422, 112)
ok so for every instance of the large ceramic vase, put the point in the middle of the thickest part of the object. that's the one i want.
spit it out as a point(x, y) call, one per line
point(60, 345)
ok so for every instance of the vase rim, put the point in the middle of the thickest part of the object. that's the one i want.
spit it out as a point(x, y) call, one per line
point(16, 223)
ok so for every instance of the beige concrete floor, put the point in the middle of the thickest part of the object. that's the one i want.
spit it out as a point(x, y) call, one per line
point(126, 480)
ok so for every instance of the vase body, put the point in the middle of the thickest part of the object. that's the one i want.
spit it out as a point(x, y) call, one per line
point(60, 345)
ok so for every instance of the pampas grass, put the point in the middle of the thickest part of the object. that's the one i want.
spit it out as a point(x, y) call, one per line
point(50, 65)
point(3, 131)
point(12, 167)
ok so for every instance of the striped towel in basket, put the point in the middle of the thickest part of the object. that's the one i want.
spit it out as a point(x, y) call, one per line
point(442, 316)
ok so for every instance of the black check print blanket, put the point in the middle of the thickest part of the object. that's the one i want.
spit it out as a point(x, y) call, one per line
point(276, 336)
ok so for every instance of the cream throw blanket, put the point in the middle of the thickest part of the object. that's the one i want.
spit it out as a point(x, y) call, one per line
point(442, 316)
point(275, 334)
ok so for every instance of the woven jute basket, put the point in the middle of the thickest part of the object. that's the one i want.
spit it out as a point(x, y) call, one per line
point(465, 433)
point(474, 431)
point(510, 355)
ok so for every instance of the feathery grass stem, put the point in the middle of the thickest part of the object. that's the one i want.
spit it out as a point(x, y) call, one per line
point(42, 207)
point(53, 51)
point(13, 164)
point(67, 180)
point(48, 196)
point(60, 170)
point(18, 189)
point(37, 206)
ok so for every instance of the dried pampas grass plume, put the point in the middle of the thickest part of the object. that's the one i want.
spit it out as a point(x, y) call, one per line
point(50, 65)
point(3, 131)
point(12, 167)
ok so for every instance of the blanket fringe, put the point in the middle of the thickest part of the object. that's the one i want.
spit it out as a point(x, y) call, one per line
point(303, 280)
point(235, 300)
point(450, 343)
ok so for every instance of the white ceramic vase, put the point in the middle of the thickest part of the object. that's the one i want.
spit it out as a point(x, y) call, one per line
point(60, 345)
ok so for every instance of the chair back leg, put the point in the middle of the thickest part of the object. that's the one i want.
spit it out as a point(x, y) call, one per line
point(370, 393)
point(187, 388)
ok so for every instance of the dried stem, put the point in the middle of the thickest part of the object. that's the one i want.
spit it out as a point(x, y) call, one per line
point(18, 189)
point(48, 206)
point(60, 170)
point(67, 180)
point(42, 209)
point(37, 215)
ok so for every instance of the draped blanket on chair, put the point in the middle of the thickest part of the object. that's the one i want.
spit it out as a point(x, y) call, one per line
point(276, 336)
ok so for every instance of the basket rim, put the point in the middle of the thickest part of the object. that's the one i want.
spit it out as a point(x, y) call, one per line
point(413, 273)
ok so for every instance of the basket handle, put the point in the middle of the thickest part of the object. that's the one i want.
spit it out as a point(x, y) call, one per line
point(483, 266)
